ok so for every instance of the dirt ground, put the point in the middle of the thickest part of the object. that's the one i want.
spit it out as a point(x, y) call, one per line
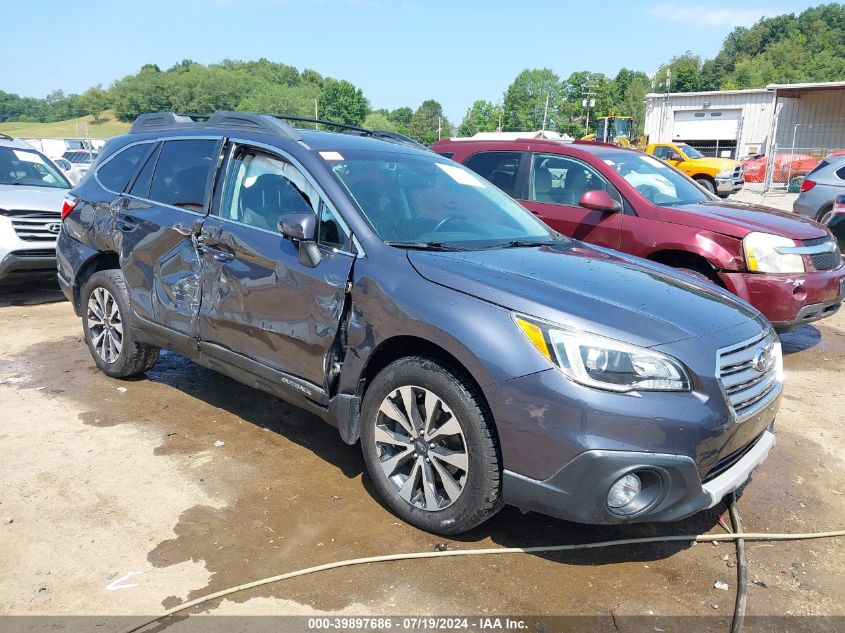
point(129, 497)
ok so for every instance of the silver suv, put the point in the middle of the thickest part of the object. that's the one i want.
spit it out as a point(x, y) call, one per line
point(32, 190)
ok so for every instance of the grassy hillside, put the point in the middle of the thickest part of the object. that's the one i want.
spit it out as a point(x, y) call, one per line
point(106, 127)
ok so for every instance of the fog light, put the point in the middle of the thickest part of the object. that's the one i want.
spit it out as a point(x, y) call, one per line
point(624, 491)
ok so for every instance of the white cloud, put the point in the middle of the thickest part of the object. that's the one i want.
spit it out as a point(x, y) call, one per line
point(709, 16)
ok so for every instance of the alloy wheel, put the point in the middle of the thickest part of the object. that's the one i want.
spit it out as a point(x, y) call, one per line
point(105, 325)
point(421, 448)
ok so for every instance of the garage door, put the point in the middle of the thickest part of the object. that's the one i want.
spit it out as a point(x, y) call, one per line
point(711, 125)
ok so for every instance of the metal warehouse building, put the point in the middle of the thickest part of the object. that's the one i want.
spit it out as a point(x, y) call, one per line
point(802, 119)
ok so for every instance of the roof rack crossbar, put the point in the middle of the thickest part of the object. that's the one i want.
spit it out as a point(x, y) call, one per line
point(6, 137)
point(157, 121)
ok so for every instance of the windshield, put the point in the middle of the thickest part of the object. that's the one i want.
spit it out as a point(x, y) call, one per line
point(84, 157)
point(691, 152)
point(655, 180)
point(417, 199)
point(28, 167)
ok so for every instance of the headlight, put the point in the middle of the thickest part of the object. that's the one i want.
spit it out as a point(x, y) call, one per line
point(604, 363)
point(761, 254)
point(727, 173)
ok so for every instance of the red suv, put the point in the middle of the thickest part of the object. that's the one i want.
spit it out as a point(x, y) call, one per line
point(786, 266)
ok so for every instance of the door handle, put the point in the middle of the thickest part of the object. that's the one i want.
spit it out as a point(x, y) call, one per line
point(219, 254)
point(125, 224)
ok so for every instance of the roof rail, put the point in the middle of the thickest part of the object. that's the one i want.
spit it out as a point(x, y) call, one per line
point(158, 121)
point(7, 137)
point(267, 123)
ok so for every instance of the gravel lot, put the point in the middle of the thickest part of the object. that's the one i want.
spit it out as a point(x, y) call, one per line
point(103, 478)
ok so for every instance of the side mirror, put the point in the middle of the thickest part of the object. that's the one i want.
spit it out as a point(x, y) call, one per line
point(301, 227)
point(675, 157)
point(599, 200)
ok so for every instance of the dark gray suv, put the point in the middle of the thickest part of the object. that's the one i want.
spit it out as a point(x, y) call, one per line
point(479, 357)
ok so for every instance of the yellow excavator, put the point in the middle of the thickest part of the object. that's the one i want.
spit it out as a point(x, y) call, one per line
point(612, 129)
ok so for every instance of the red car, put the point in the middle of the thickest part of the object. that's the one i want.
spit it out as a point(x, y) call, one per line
point(786, 167)
point(788, 267)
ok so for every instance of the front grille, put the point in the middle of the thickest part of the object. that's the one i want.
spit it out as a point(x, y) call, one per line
point(737, 171)
point(726, 463)
point(35, 252)
point(824, 261)
point(31, 226)
point(748, 372)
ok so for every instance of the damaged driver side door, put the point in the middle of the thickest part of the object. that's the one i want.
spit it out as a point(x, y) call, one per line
point(157, 221)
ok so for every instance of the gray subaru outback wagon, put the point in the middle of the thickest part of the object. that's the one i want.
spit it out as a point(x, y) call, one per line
point(479, 357)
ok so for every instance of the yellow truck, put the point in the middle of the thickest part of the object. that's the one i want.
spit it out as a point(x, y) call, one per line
point(721, 176)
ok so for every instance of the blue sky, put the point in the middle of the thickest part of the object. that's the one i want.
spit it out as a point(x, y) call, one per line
point(400, 52)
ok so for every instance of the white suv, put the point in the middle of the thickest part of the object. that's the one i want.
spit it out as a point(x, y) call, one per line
point(32, 190)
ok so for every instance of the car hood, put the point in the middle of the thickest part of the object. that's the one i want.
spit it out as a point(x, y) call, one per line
point(738, 219)
point(716, 164)
point(591, 289)
point(18, 198)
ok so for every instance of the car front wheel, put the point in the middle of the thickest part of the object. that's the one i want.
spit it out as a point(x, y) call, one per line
point(430, 446)
point(110, 341)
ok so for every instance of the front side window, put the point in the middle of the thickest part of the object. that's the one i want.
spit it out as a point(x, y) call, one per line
point(663, 152)
point(657, 182)
point(116, 173)
point(26, 167)
point(559, 180)
point(181, 173)
point(498, 167)
point(423, 199)
point(261, 188)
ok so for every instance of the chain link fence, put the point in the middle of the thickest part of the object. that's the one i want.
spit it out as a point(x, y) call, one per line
point(799, 148)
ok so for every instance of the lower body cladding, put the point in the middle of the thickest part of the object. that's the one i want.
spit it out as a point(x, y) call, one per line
point(622, 460)
point(788, 300)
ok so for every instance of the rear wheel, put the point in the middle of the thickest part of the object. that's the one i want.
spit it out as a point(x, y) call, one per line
point(706, 183)
point(824, 215)
point(430, 447)
point(110, 341)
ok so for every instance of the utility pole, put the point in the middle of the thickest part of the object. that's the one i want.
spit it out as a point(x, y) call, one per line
point(501, 112)
point(316, 115)
point(439, 127)
point(545, 115)
point(588, 102)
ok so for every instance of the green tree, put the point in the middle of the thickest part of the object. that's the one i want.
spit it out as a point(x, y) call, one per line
point(379, 121)
point(93, 101)
point(429, 124)
point(342, 102)
point(686, 74)
point(281, 99)
point(482, 116)
point(401, 118)
point(525, 101)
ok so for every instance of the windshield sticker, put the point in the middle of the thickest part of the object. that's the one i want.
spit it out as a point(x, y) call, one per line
point(461, 176)
point(653, 162)
point(331, 155)
point(28, 157)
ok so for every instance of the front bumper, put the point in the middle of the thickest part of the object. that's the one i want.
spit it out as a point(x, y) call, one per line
point(789, 300)
point(677, 490)
point(729, 185)
point(28, 263)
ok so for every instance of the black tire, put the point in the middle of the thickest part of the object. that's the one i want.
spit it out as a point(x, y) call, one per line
point(481, 491)
point(824, 214)
point(706, 183)
point(132, 358)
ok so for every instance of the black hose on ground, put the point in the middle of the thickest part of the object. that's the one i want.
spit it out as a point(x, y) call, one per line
point(741, 569)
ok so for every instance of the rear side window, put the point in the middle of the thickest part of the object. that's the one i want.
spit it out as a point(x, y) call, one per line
point(141, 186)
point(181, 173)
point(446, 154)
point(116, 173)
point(840, 173)
point(497, 167)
